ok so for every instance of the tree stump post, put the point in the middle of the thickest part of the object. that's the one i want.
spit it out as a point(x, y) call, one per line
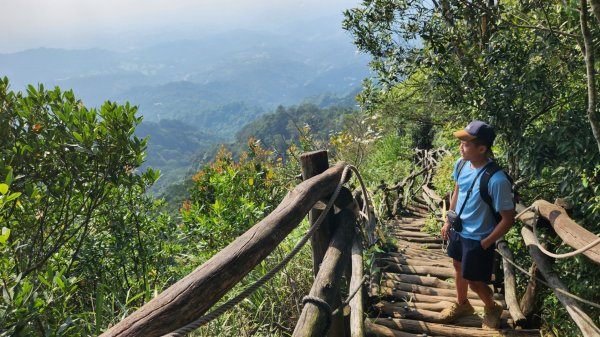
point(315, 163)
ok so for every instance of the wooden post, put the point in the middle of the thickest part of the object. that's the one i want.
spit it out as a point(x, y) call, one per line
point(510, 286)
point(357, 328)
point(531, 303)
point(315, 163)
point(313, 320)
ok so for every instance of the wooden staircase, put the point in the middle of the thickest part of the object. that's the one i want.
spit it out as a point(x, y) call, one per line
point(416, 283)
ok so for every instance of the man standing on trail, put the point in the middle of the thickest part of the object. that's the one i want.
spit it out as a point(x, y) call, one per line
point(472, 228)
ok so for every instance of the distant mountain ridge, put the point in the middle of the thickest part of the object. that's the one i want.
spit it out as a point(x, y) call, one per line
point(195, 93)
point(260, 68)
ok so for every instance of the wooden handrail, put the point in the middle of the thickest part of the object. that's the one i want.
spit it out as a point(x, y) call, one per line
point(569, 231)
point(583, 321)
point(180, 303)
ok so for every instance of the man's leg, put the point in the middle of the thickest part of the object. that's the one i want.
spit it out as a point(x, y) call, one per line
point(462, 285)
point(485, 293)
point(462, 307)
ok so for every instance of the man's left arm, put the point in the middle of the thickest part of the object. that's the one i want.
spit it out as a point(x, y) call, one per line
point(501, 192)
point(508, 220)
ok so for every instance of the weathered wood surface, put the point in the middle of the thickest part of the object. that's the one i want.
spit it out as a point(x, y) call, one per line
point(583, 321)
point(531, 303)
point(569, 231)
point(444, 272)
point(427, 290)
point(510, 285)
point(357, 328)
point(424, 262)
point(193, 295)
point(419, 280)
point(396, 311)
point(313, 164)
point(313, 320)
point(420, 327)
point(400, 307)
point(413, 296)
point(377, 330)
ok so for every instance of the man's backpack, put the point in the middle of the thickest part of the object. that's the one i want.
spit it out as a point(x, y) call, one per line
point(490, 169)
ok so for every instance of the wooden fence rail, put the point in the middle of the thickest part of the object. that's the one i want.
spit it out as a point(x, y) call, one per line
point(192, 296)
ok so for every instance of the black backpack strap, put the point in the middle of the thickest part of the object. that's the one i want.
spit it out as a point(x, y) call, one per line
point(484, 193)
point(461, 164)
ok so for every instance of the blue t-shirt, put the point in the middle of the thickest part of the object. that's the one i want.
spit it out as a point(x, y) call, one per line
point(477, 217)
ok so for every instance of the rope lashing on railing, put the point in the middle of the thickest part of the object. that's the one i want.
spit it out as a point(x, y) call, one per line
point(564, 292)
point(544, 250)
point(322, 305)
point(248, 291)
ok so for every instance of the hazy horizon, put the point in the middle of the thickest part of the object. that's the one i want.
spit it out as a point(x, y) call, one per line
point(130, 24)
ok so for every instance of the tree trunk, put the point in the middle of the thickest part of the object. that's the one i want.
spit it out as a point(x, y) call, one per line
point(588, 54)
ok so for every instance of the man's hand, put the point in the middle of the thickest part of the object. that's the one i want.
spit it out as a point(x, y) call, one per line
point(446, 231)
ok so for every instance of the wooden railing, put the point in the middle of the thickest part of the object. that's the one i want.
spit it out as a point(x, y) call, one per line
point(336, 253)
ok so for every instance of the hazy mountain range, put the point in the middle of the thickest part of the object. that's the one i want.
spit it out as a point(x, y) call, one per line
point(212, 85)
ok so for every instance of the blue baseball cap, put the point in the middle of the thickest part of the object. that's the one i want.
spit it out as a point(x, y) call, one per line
point(477, 130)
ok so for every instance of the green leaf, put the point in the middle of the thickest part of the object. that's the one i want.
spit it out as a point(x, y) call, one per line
point(77, 136)
point(9, 176)
point(13, 196)
point(3, 188)
point(5, 235)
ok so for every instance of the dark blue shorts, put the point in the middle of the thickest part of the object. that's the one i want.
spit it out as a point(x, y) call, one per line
point(477, 263)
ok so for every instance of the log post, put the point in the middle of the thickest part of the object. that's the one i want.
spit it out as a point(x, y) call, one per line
point(510, 285)
point(583, 321)
point(357, 328)
point(313, 320)
point(315, 163)
point(531, 301)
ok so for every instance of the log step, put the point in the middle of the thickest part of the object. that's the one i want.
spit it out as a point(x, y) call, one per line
point(436, 329)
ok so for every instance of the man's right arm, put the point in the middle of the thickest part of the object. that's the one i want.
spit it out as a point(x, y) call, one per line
point(453, 200)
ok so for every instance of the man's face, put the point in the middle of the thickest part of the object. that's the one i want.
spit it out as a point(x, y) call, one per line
point(470, 150)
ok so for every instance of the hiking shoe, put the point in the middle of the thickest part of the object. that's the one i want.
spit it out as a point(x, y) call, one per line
point(456, 311)
point(491, 317)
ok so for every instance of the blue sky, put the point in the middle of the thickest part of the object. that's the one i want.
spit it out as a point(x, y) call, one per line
point(117, 24)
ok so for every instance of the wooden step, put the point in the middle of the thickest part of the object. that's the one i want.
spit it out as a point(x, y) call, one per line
point(444, 272)
point(409, 296)
point(419, 327)
point(419, 261)
point(473, 320)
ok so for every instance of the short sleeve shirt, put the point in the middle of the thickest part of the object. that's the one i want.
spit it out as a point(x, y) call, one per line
point(477, 217)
